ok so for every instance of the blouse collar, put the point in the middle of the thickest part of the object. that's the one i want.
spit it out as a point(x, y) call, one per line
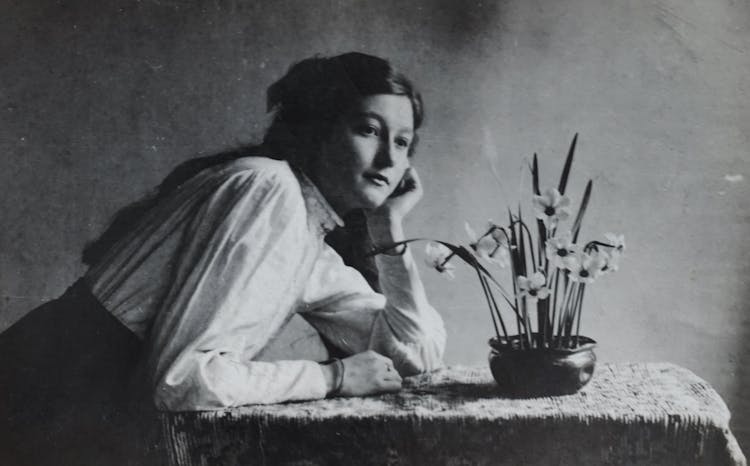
point(320, 211)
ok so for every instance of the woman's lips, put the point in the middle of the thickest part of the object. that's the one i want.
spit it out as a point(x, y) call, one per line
point(377, 179)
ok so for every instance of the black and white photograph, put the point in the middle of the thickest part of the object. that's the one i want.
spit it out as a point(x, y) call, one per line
point(372, 232)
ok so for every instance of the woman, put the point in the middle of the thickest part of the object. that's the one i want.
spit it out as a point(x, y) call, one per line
point(202, 275)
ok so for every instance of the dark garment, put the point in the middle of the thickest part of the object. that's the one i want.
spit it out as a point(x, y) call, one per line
point(66, 387)
point(352, 242)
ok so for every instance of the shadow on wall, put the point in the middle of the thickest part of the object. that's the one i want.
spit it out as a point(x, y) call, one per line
point(454, 25)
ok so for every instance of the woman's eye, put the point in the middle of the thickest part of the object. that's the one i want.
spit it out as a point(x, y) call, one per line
point(402, 142)
point(369, 130)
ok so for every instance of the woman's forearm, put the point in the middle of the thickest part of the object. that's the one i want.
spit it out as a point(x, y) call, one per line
point(385, 230)
point(409, 317)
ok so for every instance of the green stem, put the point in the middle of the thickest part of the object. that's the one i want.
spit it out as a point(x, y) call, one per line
point(580, 311)
point(573, 313)
point(543, 329)
point(447, 259)
point(515, 287)
point(528, 329)
point(497, 309)
point(531, 242)
point(565, 312)
point(554, 306)
point(489, 303)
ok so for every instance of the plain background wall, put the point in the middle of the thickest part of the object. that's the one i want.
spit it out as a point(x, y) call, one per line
point(98, 100)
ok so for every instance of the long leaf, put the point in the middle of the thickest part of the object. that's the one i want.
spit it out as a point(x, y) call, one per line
point(390, 246)
point(459, 251)
point(470, 259)
point(465, 255)
point(525, 269)
point(568, 163)
point(494, 309)
point(513, 249)
point(522, 228)
point(582, 210)
point(521, 245)
point(487, 294)
point(542, 230)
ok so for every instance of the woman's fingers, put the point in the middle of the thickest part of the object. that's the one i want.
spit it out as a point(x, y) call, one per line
point(413, 183)
point(403, 200)
point(391, 372)
point(390, 386)
point(367, 373)
point(391, 379)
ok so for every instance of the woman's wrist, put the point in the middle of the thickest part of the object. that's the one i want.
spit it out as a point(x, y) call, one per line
point(328, 375)
point(384, 232)
point(333, 372)
point(385, 229)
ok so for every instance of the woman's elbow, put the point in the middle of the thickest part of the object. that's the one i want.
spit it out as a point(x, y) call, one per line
point(194, 385)
point(426, 356)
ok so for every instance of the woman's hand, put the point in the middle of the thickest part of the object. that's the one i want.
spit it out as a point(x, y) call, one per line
point(403, 199)
point(384, 223)
point(368, 373)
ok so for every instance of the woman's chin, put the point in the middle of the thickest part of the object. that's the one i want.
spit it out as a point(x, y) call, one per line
point(372, 200)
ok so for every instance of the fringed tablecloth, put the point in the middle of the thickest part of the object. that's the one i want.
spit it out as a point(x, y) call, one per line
point(651, 414)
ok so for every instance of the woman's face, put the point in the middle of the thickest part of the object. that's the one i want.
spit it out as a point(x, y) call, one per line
point(364, 159)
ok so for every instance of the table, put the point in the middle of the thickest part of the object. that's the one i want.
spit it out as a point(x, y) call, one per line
point(649, 413)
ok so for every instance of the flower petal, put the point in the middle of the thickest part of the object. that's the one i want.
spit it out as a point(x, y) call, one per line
point(470, 232)
point(617, 241)
point(485, 247)
point(552, 196)
point(538, 280)
point(523, 283)
point(498, 234)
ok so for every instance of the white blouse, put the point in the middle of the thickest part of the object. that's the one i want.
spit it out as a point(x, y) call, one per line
point(218, 267)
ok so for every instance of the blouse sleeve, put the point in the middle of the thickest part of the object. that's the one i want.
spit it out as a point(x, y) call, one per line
point(232, 283)
point(400, 323)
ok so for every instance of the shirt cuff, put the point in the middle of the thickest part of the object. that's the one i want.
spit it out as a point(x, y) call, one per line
point(311, 384)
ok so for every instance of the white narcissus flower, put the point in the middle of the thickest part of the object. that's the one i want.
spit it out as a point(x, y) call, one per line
point(617, 242)
point(492, 246)
point(499, 234)
point(560, 250)
point(615, 254)
point(586, 266)
point(551, 207)
point(500, 256)
point(437, 254)
point(534, 287)
point(611, 261)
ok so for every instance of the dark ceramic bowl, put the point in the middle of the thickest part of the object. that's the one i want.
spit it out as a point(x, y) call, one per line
point(528, 373)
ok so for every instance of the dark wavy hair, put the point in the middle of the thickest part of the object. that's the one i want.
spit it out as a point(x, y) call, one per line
point(306, 103)
point(316, 92)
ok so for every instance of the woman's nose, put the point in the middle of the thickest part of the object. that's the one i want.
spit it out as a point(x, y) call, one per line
point(387, 155)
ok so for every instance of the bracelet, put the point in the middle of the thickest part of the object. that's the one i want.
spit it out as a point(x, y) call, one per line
point(339, 376)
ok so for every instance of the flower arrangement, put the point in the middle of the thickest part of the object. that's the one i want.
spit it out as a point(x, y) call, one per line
point(550, 268)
